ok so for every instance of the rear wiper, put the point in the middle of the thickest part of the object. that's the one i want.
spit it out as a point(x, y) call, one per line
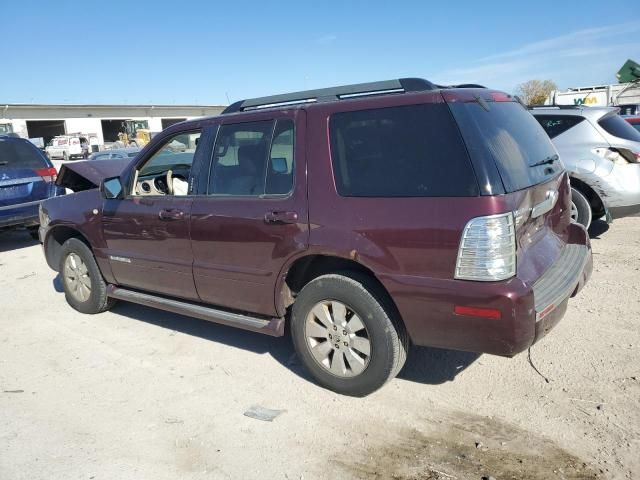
point(4, 162)
point(545, 161)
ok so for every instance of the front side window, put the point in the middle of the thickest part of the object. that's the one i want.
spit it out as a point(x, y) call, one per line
point(253, 159)
point(167, 171)
point(408, 151)
point(554, 125)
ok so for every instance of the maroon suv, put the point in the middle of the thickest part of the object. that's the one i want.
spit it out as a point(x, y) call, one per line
point(365, 217)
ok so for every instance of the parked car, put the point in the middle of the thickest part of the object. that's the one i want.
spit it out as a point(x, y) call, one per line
point(634, 122)
point(629, 109)
point(68, 147)
point(602, 154)
point(26, 178)
point(115, 153)
point(385, 213)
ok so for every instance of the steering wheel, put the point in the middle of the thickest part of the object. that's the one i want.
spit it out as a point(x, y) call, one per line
point(170, 182)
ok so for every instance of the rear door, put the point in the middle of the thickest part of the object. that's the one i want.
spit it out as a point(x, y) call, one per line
point(252, 217)
point(26, 176)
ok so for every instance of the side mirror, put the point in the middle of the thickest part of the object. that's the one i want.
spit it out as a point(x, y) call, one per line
point(111, 188)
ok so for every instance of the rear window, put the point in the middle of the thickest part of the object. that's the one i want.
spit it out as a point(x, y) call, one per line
point(408, 151)
point(554, 125)
point(617, 127)
point(507, 133)
point(20, 154)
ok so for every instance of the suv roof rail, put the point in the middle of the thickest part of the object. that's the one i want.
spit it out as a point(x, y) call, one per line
point(559, 107)
point(401, 85)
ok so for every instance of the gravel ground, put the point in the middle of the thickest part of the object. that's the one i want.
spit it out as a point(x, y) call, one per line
point(140, 393)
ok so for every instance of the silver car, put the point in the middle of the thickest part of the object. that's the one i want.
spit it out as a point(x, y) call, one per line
point(602, 154)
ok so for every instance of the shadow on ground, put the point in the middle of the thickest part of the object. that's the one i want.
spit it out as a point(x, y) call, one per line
point(425, 365)
point(597, 228)
point(15, 240)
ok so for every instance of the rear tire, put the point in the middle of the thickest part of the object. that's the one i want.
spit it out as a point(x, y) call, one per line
point(347, 333)
point(84, 288)
point(65, 156)
point(33, 231)
point(580, 208)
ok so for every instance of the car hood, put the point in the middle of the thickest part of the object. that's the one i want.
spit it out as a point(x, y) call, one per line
point(86, 175)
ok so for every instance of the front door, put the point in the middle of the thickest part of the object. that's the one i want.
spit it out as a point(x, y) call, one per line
point(253, 218)
point(147, 232)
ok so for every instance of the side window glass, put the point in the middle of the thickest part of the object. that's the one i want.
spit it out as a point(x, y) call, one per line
point(280, 166)
point(239, 160)
point(554, 125)
point(167, 171)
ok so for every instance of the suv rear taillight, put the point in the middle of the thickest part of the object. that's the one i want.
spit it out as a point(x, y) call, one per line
point(487, 249)
point(48, 174)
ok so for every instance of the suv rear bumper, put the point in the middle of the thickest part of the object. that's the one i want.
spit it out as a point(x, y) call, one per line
point(527, 311)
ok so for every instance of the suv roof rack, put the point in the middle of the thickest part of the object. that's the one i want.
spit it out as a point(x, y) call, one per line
point(559, 107)
point(401, 85)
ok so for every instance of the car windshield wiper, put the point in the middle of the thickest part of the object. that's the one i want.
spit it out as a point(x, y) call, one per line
point(545, 161)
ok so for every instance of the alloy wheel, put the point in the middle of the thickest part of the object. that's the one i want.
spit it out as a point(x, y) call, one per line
point(338, 339)
point(77, 277)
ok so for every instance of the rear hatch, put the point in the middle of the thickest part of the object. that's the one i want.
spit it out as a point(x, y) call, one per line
point(516, 162)
point(25, 174)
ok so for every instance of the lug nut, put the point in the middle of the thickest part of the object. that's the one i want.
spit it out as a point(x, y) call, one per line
point(335, 327)
point(345, 344)
point(330, 336)
point(344, 332)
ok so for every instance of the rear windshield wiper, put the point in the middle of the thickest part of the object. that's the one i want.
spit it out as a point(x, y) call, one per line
point(545, 161)
point(4, 162)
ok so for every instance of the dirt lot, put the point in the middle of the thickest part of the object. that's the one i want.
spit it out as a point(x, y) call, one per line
point(139, 393)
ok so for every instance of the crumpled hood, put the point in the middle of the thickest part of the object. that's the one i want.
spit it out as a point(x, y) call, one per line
point(86, 175)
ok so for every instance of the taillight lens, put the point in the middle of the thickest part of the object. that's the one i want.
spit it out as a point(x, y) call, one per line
point(487, 249)
point(48, 174)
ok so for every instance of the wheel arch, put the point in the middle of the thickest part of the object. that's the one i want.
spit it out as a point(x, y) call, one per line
point(54, 240)
point(598, 207)
point(303, 270)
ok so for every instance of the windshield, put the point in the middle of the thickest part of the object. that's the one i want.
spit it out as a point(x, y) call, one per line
point(507, 133)
point(617, 127)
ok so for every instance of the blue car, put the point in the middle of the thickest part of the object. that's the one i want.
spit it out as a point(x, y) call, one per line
point(27, 177)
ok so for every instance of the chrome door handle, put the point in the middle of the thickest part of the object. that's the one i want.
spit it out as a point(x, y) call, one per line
point(280, 217)
point(170, 214)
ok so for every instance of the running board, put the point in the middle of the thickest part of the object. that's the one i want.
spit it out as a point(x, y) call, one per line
point(273, 327)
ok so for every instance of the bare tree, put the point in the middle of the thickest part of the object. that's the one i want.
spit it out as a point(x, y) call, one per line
point(535, 92)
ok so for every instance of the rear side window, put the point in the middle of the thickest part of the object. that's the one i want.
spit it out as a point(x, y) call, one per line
point(507, 133)
point(554, 125)
point(617, 127)
point(408, 151)
point(19, 154)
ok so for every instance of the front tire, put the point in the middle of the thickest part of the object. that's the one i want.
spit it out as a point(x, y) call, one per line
point(84, 288)
point(65, 156)
point(347, 333)
point(580, 208)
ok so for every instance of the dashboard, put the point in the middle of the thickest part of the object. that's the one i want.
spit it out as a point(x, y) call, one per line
point(156, 184)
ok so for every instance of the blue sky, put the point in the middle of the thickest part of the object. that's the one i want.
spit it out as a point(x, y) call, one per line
point(210, 52)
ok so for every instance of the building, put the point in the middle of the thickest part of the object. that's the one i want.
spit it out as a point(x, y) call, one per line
point(598, 95)
point(47, 121)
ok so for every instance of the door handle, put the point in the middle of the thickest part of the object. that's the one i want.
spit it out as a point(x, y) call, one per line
point(280, 217)
point(170, 214)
